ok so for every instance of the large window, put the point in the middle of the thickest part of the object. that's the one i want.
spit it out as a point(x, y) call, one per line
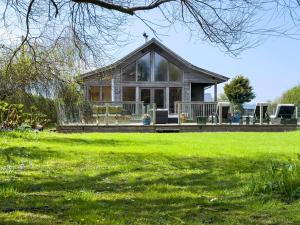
point(94, 93)
point(128, 94)
point(152, 64)
point(100, 93)
point(175, 74)
point(175, 94)
point(144, 68)
point(160, 68)
point(129, 72)
point(106, 93)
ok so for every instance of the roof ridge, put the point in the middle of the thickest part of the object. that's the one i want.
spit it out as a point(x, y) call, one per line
point(164, 47)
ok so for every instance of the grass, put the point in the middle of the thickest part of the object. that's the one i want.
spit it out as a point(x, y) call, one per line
point(185, 178)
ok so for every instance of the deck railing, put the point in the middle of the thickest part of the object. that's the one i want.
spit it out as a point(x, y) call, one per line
point(192, 110)
point(105, 113)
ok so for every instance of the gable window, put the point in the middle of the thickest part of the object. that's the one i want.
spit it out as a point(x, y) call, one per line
point(160, 68)
point(152, 67)
point(175, 74)
point(128, 73)
point(144, 68)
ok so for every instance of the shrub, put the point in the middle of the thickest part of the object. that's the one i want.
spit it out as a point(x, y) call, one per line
point(13, 116)
point(279, 180)
point(44, 105)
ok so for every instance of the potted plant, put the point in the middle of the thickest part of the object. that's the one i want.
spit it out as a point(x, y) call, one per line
point(146, 119)
point(183, 117)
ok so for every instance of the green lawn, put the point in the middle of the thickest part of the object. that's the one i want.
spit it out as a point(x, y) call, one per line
point(185, 178)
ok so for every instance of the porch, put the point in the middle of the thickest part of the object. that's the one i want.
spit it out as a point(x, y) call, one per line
point(186, 117)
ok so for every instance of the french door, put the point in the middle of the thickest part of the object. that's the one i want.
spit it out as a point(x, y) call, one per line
point(153, 95)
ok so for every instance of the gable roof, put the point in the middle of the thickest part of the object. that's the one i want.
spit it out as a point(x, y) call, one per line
point(153, 41)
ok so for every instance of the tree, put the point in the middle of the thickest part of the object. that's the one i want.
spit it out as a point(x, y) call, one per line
point(97, 26)
point(292, 96)
point(222, 98)
point(239, 91)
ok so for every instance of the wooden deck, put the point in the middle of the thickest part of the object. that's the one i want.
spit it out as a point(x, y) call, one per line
point(138, 128)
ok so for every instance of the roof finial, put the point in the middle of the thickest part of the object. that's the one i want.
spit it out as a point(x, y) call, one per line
point(145, 35)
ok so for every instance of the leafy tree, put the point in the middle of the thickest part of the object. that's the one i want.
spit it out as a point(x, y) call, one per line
point(239, 91)
point(292, 96)
point(222, 98)
point(37, 78)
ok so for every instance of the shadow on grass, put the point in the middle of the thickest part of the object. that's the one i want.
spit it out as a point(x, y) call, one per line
point(11, 154)
point(178, 190)
point(143, 188)
point(101, 141)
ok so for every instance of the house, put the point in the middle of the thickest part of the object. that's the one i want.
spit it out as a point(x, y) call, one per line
point(151, 74)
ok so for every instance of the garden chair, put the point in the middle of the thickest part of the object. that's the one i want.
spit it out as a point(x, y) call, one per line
point(284, 114)
point(256, 115)
point(226, 115)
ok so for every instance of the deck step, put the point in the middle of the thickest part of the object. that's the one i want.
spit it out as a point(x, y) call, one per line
point(167, 130)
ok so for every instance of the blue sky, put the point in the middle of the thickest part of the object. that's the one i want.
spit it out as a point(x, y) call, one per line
point(272, 67)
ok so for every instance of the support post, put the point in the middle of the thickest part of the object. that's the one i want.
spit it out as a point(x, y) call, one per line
point(154, 113)
point(215, 92)
point(106, 114)
point(137, 100)
point(113, 90)
point(179, 112)
point(261, 113)
point(221, 114)
point(167, 98)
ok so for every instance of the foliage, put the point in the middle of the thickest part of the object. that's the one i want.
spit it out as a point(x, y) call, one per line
point(292, 96)
point(239, 91)
point(12, 116)
point(278, 179)
point(43, 104)
point(146, 117)
point(70, 102)
point(22, 75)
point(223, 98)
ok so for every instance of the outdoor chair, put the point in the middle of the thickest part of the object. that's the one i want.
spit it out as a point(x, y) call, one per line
point(161, 116)
point(114, 110)
point(256, 115)
point(226, 115)
point(284, 114)
point(98, 110)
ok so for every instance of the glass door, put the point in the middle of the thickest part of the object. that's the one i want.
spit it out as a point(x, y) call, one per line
point(159, 98)
point(153, 95)
point(146, 95)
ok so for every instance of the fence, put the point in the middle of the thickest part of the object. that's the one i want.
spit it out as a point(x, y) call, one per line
point(189, 111)
point(105, 113)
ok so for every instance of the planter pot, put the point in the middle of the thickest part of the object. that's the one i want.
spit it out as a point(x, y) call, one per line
point(236, 118)
point(146, 122)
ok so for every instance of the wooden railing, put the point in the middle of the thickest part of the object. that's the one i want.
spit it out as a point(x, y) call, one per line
point(192, 110)
point(126, 112)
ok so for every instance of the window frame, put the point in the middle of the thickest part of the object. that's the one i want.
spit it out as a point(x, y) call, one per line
point(152, 70)
point(122, 94)
point(100, 92)
point(168, 70)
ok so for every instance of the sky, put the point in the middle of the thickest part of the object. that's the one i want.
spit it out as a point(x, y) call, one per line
point(272, 67)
